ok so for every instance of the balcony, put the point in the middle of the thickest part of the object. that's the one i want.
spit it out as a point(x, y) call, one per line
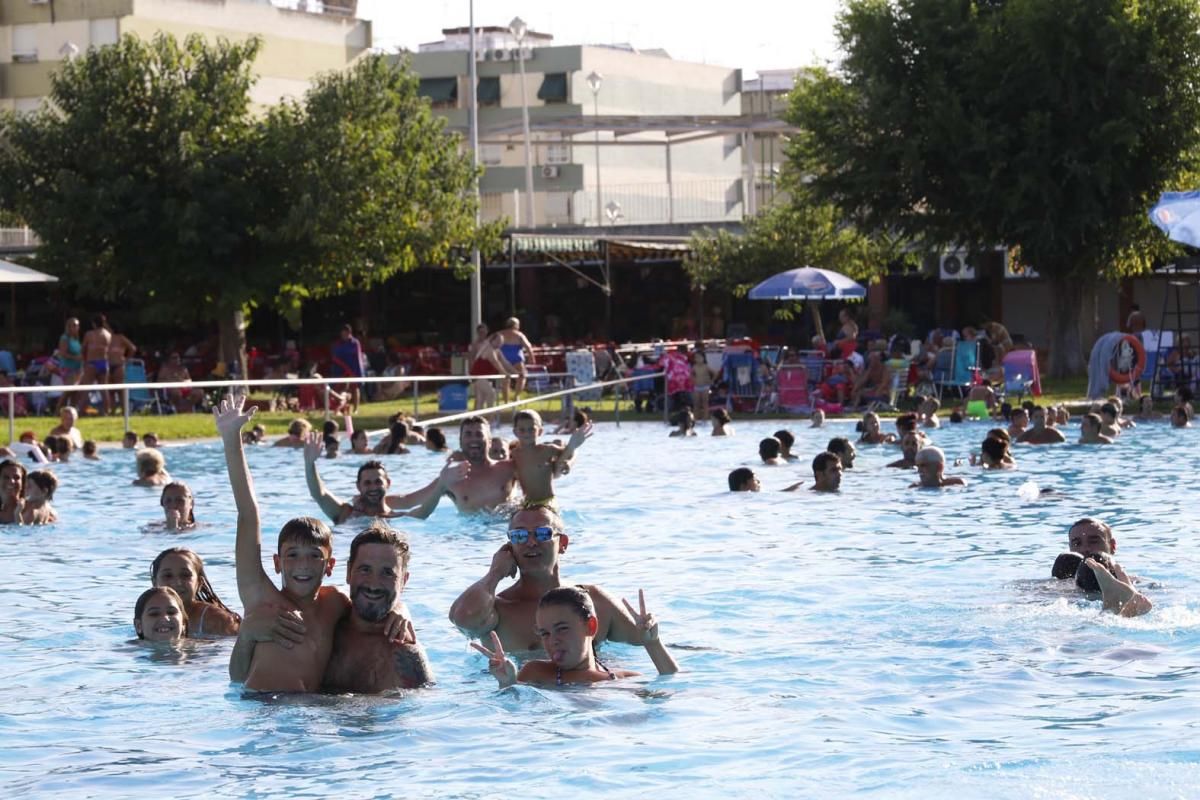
point(715, 200)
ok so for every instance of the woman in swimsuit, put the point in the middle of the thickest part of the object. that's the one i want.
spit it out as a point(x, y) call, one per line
point(486, 359)
point(566, 624)
point(182, 570)
point(120, 350)
point(69, 356)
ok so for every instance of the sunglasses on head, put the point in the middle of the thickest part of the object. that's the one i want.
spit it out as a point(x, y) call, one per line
point(521, 535)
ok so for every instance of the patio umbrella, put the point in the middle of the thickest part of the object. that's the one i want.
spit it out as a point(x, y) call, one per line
point(809, 283)
point(1178, 215)
point(13, 274)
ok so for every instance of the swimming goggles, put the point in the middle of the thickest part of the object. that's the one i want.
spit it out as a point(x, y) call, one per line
point(521, 535)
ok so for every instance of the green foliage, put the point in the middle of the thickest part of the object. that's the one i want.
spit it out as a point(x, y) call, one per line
point(1052, 126)
point(784, 237)
point(152, 179)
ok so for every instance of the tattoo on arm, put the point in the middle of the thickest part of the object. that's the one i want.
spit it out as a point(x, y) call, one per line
point(411, 664)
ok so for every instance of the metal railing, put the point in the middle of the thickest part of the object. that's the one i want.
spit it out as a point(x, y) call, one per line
point(11, 391)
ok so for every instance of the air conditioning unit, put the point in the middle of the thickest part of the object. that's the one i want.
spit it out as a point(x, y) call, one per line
point(502, 55)
point(550, 171)
point(955, 266)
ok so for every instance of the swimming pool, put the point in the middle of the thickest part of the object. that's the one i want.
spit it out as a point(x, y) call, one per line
point(885, 642)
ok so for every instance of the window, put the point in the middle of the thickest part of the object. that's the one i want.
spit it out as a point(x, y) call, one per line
point(490, 155)
point(558, 153)
point(103, 32)
point(442, 92)
point(24, 43)
point(488, 93)
point(553, 88)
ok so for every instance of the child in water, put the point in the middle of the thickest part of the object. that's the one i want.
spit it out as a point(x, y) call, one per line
point(159, 616)
point(566, 624)
point(182, 571)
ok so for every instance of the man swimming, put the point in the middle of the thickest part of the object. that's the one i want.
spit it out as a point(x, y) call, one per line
point(536, 541)
point(1090, 430)
point(841, 447)
point(487, 485)
point(1089, 539)
point(931, 464)
point(372, 484)
point(771, 451)
point(910, 443)
point(827, 473)
point(743, 479)
point(1040, 433)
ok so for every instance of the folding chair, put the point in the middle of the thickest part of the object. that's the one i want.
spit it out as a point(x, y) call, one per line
point(135, 372)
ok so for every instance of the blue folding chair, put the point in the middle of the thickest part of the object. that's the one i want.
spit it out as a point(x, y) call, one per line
point(135, 372)
point(740, 373)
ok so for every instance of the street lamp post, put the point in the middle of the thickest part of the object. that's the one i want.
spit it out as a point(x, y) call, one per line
point(594, 79)
point(473, 122)
point(518, 28)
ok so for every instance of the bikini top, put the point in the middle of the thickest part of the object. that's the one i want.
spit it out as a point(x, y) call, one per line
point(558, 680)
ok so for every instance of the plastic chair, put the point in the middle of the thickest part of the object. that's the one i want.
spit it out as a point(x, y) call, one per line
point(537, 378)
point(1024, 363)
point(741, 377)
point(135, 372)
point(791, 382)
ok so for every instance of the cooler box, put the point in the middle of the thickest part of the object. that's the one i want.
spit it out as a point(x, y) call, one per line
point(581, 365)
point(452, 397)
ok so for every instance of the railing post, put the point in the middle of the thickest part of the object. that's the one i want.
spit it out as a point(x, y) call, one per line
point(326, 393)
point(416, 402)
point(666, 401)
point(125, 407)
point(12, 418)
point(617, 403)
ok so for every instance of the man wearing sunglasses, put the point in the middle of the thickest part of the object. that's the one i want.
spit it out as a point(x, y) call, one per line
point(535, 541)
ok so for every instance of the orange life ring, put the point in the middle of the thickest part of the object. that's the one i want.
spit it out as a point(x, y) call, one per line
point(1135, 369)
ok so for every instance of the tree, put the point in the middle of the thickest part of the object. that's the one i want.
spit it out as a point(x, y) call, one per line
point(1051, 127)
point(792, 234)
point(150, 178)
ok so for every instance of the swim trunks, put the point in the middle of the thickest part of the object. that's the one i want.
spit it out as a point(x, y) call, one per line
point(481, 366)
point(100, 365)
point(515, 353)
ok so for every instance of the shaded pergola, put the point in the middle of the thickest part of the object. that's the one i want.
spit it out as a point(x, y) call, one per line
point(642, 130)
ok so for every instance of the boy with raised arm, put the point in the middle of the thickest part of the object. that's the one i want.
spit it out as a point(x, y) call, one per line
point(537, 464)
point(304, 558)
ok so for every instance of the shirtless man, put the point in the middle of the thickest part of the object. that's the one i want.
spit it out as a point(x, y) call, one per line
point(827, 473)
point(875, 381)
point(67, 418)
point(514, 346)
point(374, 648)
point(910, 445)
point(842, 447)
point(173, 371)
point(487, 485)
point(1111, 422)
point(372, 484)
point(536, 540)
point(1090, 431)
point(931, 464)
point(1087, 539)
point(304, 558)
point(771, 451)
point(1040, 433)
point(95, 356)
point(538, 464)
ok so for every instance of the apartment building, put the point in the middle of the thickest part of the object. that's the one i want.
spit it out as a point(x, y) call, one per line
point(301, 38)
point(618, 136)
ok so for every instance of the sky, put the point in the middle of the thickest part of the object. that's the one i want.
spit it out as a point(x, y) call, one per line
point(763, 34)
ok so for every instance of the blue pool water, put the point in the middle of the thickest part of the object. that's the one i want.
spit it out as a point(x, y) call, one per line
point(885, 642)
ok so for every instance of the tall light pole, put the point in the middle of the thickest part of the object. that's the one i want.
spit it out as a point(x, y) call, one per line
point(518, 29)
point(473, 124)
point(594, 79)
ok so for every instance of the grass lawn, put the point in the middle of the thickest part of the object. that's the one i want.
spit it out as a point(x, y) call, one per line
point(373, 416)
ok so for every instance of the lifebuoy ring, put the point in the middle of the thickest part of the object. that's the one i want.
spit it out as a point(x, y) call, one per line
point(1135, 366)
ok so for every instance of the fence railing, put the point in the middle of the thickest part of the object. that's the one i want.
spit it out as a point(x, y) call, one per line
point(125, 388)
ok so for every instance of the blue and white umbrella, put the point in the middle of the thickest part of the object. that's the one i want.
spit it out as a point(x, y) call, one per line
point(1178, 214)
point(808, 283)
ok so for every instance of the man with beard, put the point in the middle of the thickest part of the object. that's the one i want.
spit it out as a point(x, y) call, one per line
point(365, 657)
point(488, 484)
point(372, 484)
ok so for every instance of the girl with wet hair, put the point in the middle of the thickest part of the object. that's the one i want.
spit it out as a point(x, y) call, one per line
point(159, 615)
point(566, 623)
point(182, 571)
point(179, 506)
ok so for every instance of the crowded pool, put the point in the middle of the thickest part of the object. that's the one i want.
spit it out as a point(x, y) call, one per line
point(884, 641)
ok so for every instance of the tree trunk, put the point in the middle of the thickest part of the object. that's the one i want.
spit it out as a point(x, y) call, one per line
point(1066, 347)
point(232, 324)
